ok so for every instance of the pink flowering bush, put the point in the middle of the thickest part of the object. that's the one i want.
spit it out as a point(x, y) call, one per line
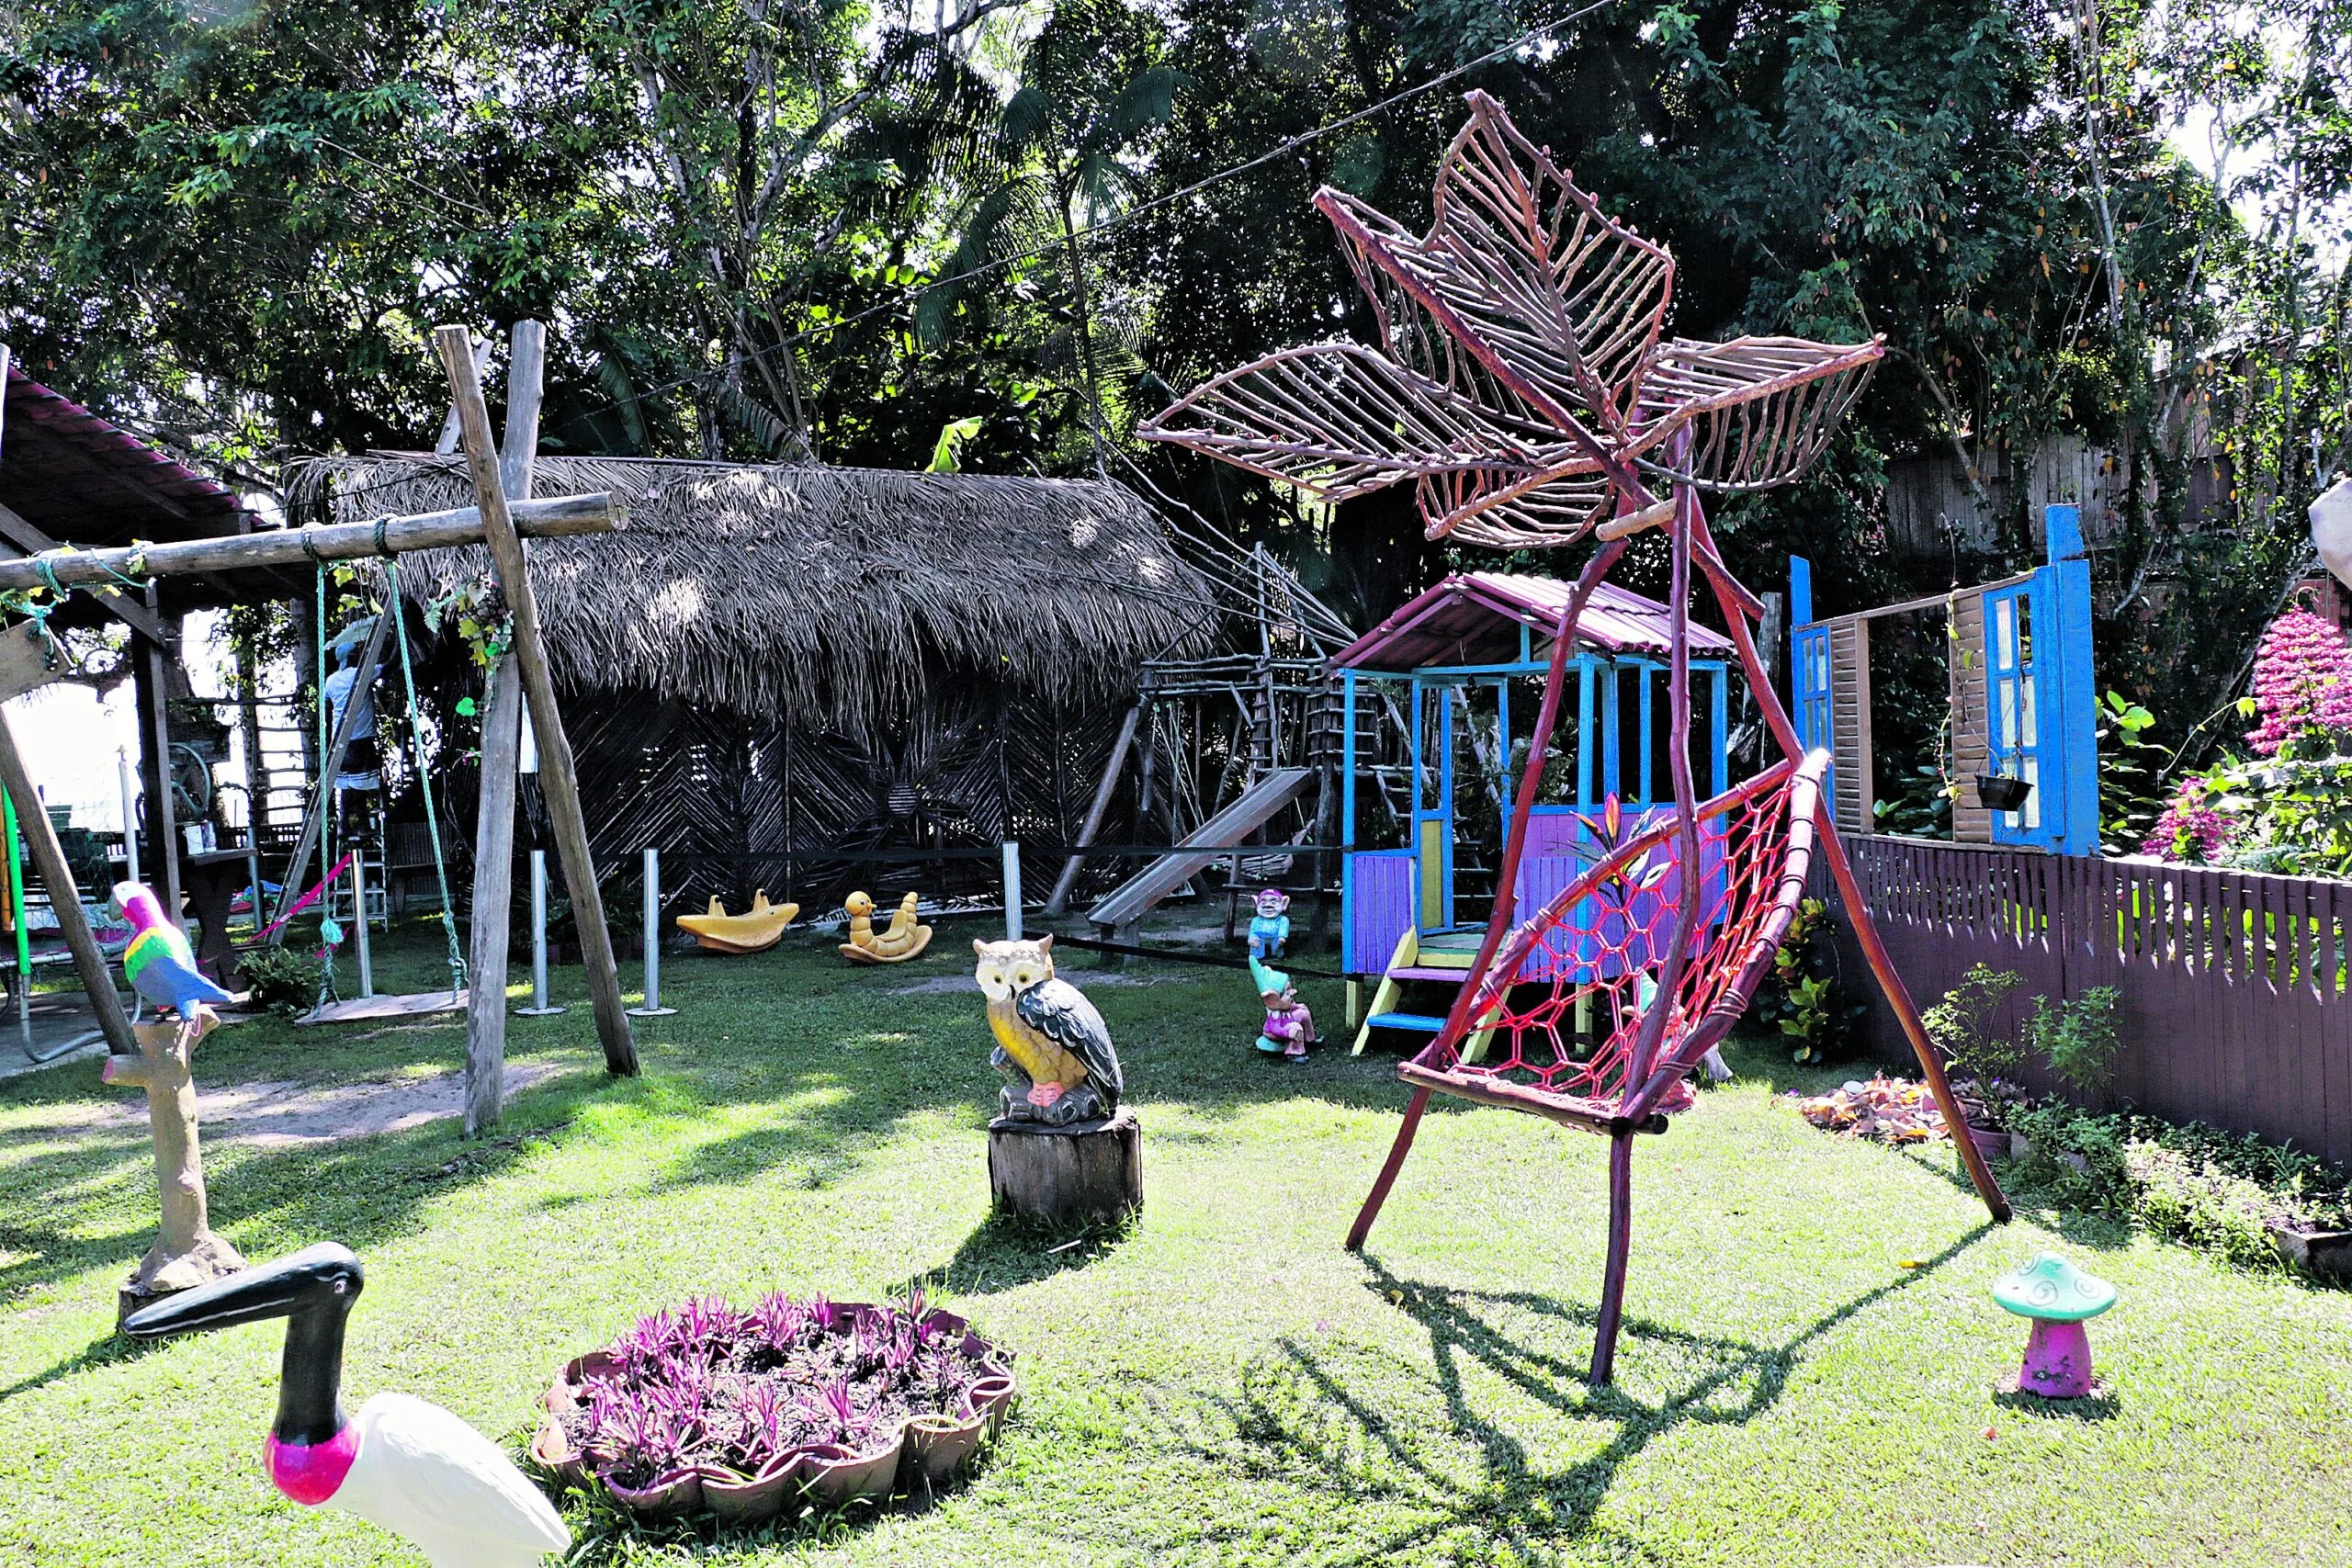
point(2190, 829)
point(2302, 687)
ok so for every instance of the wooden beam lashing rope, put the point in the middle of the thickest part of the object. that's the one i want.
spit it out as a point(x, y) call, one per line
point(557, 517)
point(559, 776)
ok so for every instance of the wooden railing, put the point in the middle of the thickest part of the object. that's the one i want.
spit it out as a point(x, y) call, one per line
point(2234, 1008)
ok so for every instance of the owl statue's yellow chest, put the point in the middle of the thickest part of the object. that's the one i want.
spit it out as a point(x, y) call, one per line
point(1044, 1061)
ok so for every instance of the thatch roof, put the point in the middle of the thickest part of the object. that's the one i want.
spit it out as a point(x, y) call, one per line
point(836, 595)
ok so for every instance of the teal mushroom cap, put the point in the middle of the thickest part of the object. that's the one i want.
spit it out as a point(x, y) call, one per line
point(2053, 1289)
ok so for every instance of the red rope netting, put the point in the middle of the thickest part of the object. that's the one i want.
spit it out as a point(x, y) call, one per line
point(1559, 1013)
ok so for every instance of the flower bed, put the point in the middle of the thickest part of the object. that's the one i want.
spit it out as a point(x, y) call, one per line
point(792, 1404)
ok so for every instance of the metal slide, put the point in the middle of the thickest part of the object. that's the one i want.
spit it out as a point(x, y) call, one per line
point(1127, 902)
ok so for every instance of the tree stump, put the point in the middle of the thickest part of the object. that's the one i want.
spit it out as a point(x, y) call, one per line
point(1067, 1178)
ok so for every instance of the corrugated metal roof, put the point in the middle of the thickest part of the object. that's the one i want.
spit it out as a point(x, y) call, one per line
point(1472, 618)
point(89, 482)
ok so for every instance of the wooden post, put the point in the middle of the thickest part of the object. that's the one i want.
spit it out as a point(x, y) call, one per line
point(48, 859)
point(1067, 1178)
point(501, 744)
point(1060, 901)
point(558, 777)
point(152, 693)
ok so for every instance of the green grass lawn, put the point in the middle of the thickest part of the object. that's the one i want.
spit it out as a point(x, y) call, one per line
point(1222, 1386)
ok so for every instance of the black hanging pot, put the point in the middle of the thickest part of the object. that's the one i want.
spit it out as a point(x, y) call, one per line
point(2000, 793)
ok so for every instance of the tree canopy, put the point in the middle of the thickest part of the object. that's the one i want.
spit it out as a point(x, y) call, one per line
point(998, 233)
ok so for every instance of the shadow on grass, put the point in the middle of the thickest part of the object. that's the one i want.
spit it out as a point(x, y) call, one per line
point(1307, 1420)
point(2101, 1404)
point(1003, 1252)
point(106, 1350)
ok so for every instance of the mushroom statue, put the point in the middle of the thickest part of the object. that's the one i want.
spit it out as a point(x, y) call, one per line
point(407, 1465)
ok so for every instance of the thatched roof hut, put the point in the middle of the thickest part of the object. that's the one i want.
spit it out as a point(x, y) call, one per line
point(774, 659)
point(839, 595)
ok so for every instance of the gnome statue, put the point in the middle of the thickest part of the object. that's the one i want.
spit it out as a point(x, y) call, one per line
point(1289, 1028)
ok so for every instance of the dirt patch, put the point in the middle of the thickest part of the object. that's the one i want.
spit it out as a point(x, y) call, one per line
point(275, 1115)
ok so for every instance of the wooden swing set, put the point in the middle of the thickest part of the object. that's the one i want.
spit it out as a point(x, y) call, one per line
point(502, 516)
point(1522, 384)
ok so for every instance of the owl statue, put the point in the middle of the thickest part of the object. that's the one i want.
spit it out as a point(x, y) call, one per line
point(1051, 1046)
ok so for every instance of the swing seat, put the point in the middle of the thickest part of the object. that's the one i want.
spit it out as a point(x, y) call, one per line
point(1565, 1005)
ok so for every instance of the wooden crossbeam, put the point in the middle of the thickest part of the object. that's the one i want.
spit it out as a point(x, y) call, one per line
point(557, 517)
point(32, 541)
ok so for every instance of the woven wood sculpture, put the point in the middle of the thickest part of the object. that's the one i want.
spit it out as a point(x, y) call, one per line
point(1524, 384)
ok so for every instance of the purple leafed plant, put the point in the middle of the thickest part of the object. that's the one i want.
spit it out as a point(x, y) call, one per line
point(704, 1385)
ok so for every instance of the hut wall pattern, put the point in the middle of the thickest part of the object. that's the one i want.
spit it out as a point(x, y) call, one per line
point(696, 783)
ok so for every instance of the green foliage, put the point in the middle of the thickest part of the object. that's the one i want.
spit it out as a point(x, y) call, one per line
point(1804, 993)
point(2078, 1038)
point(1961, 1024)
point(2130, 770)
point(2196, 1184)
point(282, 979)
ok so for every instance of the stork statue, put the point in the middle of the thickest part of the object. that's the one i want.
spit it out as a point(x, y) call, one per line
point(2330, 517)
point(409, 1466)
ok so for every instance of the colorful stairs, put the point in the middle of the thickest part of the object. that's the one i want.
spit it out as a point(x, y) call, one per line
point(1440, 960)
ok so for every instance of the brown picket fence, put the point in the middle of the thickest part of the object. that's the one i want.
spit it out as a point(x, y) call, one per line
point(2234, 1008)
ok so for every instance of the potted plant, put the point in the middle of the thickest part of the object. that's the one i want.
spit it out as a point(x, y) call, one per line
point(1961, 1024)
point(754, 1415)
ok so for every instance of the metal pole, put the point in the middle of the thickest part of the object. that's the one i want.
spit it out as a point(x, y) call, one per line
point(359, 917)
point(1012, 890)
point(652, 1007)
point(538, 1008)
point(129, 817)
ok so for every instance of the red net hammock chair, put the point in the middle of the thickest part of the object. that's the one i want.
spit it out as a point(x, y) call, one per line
point(1564, 1016)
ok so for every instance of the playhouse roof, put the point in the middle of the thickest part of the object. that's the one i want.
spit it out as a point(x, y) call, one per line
point(840, 595)
point(1472, 618)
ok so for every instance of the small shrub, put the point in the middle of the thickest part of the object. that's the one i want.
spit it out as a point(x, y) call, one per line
point(283, 980)
point(2078, 1039)
point(1961, 1024)
point(1803, 993)
point(2203, 1205)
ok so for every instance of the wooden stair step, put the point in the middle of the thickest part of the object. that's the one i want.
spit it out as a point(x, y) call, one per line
point(1443, 976)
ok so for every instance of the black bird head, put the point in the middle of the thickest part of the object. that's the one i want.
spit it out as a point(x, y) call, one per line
point(313, 1290)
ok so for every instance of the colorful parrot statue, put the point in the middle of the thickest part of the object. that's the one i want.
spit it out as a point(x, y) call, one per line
point(159, 963)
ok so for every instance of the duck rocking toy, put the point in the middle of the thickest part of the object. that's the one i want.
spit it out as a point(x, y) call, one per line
point(402, 1463)
point(754, 930)
point(902, 940)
